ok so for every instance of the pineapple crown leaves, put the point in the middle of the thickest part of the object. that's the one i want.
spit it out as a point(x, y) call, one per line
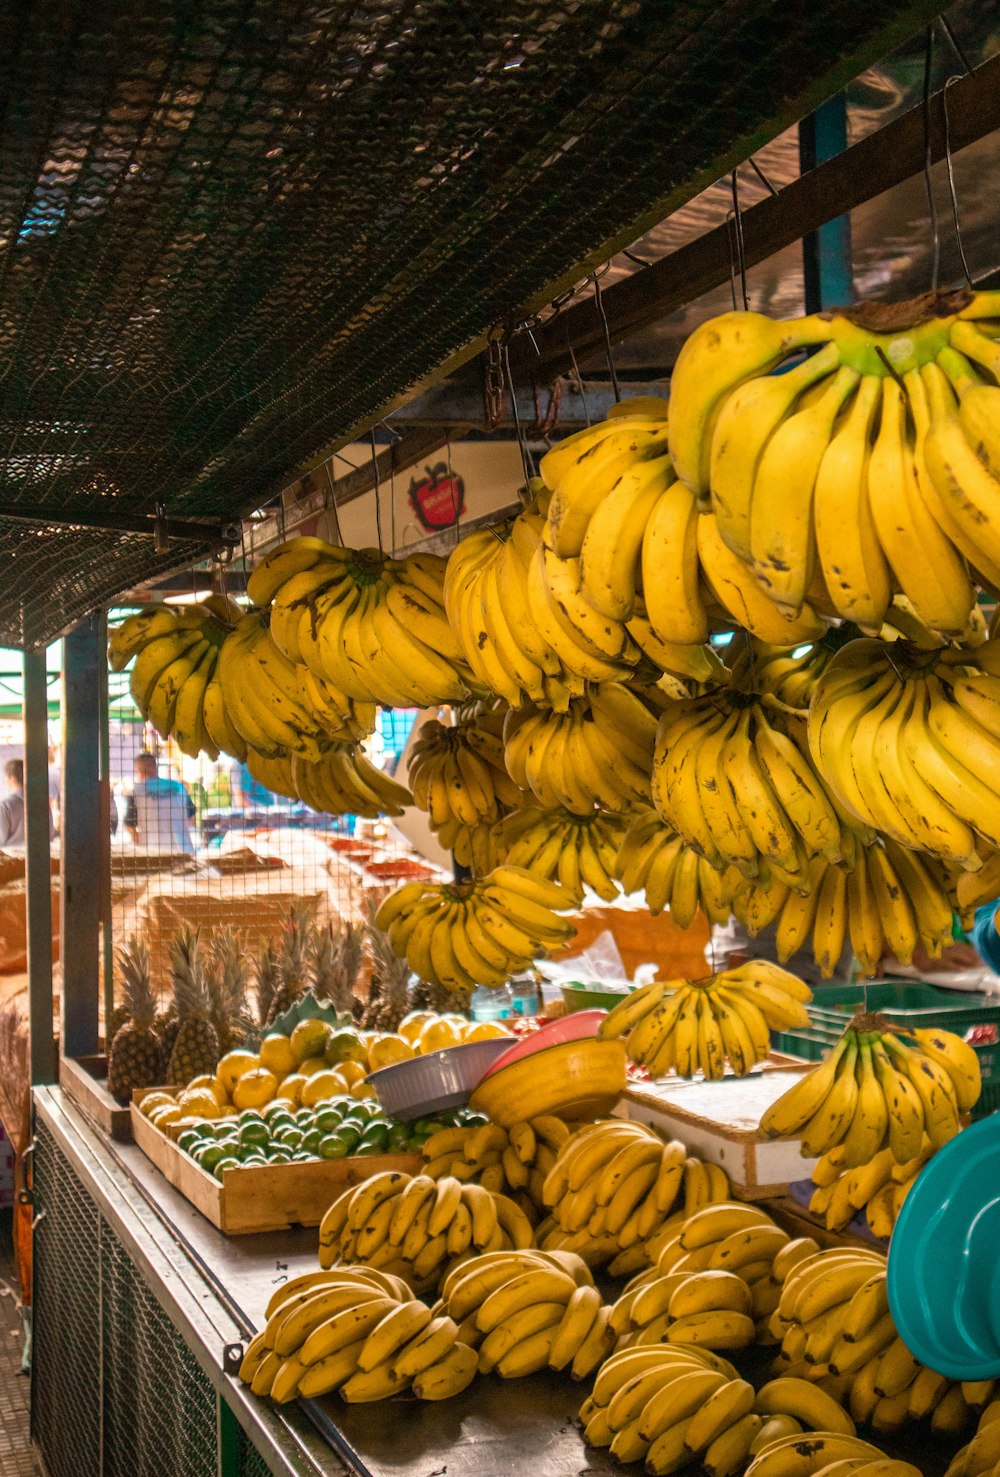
point(226, 956)
point(296, 945)
point(137, 980)
point(388, 966)
point(266, 979)
point(336, 958)
point(187, 973)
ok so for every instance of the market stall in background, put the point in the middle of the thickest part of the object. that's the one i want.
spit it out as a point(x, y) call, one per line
point(515, 511)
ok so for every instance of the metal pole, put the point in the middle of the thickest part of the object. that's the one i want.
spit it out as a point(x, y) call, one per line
point(826, 252)
point(38, 868)
point(104, 735)
point(83, 841)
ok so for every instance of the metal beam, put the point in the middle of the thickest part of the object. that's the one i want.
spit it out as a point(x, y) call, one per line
point(38, 878)
point(574, 404)
point(84, 844)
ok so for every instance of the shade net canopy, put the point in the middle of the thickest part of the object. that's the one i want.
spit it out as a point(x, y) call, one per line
point(235, 233)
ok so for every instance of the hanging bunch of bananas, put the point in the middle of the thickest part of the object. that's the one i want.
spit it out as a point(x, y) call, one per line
point(173, 682)
point(653, 859)
point(341, 782)
point(733, 776)
point(690, 1026)
point(528, 1310)
point(357, 1330)
point(981, 1457)
point(577, 851)
point(416, 1227)
point(878, 1188)
point(511, 1161)
point(880, 1089)
point(837, 1333)
point(909, 741)
point(372, 626)
point(456, 775)
point(791, 674)
point(461, 935)
point(863, 469)
point(893, 900)
point(598, 752)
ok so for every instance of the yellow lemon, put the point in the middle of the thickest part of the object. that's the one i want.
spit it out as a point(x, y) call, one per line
point(351, 1072)
point(487, 1031)
point(233, 1066)
point(437, 1035)
point(212, 1085)
point(155, 1100)
point(388, 1050)
point(200, 1100)
point(346, 1045)
point(322, 1086)
point(363, 1090)
point(255, 1088)
point(276, 1054)
point(290, 1088)
point(163, 1116)
point(308, 1039)
point(411, 1025)
point(312, 1065)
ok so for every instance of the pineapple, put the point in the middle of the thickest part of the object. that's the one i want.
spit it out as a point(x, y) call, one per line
point(196, 1049)
point(120, 1013)
point(388, 999)
point(266, 980)
point(293, 961)
point(227, 985)
point(135, 1059)
point(336, 964)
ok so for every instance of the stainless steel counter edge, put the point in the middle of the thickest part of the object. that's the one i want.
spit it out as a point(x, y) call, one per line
point(184, 1294)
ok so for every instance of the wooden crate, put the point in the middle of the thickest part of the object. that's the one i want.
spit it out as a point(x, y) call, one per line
point(85, 1080)
point(269, 1197)
point(718, 1121)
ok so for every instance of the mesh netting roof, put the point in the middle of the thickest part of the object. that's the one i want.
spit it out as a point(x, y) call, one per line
point(232, 233)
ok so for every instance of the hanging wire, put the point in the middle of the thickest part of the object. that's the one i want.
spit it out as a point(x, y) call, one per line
point(281, 517)
point(762, 176)
point(955, 44)
point(518, 429)
point(740, 249)
point(392, 496)
point(951, 181)
point(456, 511)
point(331, 501)
point(730, 240)
point(605, 330)
point(928, 181)
point(378, 493)
point(578, 378)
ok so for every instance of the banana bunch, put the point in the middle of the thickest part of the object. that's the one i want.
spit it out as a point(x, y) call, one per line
point(733, 776)
point(371, 626)
point(510, 1161)
point(341, 782)
point(613, 1188)
point(261, 696)
point(790, 675)
point(837, 1332)
point(457, 772)
point(712, 1309)
point(828, 1454)
point(908, 740)
point(461, 935)
point(893, 900)
point(879, 1188)
point(882, 437)
point(529, 1310)
point(598, 752)
point(698, 1025)
point(653, 859)
point(577, 851)
point(879, 1089)
point(981, 1457)
point(473, 847)
point(414, 1227)
point(673, 1407)
point(173, 682)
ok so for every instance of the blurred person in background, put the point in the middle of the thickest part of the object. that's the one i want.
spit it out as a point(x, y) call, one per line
point(160, 811)
point(12, 833)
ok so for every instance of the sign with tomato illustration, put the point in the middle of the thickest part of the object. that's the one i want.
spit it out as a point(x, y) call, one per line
point(438, 497)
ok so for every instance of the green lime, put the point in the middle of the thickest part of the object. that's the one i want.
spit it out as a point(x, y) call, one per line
point(254, 1133)
point(311, 1141)
point(366, 1150)
point(278, 1156)
point(365, 1108)
point(277, 1105)
point(399, 1135)
point(290, 1137)
point(333, 1147)
point(327, 1119)
point(304, 1116)
point(250, 1115)
point(350, 1131)
point(223, 1165)
point(211, 1155)
point(225, 1127)
point(188, 1139)
point(301, 1158)
point(376, 1133)
point(255, 1161)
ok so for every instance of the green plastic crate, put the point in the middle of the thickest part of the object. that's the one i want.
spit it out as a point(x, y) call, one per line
point(904, 1005)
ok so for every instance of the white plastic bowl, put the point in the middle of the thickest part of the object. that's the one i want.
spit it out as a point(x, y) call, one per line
point(439, 1080)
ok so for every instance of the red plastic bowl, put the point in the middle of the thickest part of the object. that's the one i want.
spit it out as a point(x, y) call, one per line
point(575, 1027)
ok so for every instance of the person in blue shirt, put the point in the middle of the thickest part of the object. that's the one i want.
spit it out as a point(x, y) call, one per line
point(160, 811)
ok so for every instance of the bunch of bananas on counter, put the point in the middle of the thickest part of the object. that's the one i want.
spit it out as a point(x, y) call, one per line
point(173, 682)
point(837, 1332)
point(415, 1227)
point(878, 1188)
point(457, 772)
point(372, 626)
point(461, 935)
point(827, 1454)
point(689, 1026)
point(893, 900)
point(614, 1186)
point(908, 740)
point(654, 860)
point(510, 1161)
point(732, 775)
point(711, 1308)
point(528, 1310)
point(359, 1331)
point(887, 436)
point(880, 1089)
point(577, 851)
point(981, 1457)
point(598, 752)
point(341, 782)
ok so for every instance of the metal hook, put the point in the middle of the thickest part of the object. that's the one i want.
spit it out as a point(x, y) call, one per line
point(928, 182)
point(330, 501)
point(576, 371)
point(518, 430)
point(740, 251)
point(951, 180)
point(956, 46)
point(762, 176)
point(605, 330)
point(378, 493)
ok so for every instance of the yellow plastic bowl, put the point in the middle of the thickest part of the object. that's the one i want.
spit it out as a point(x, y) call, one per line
point(580, 1079)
